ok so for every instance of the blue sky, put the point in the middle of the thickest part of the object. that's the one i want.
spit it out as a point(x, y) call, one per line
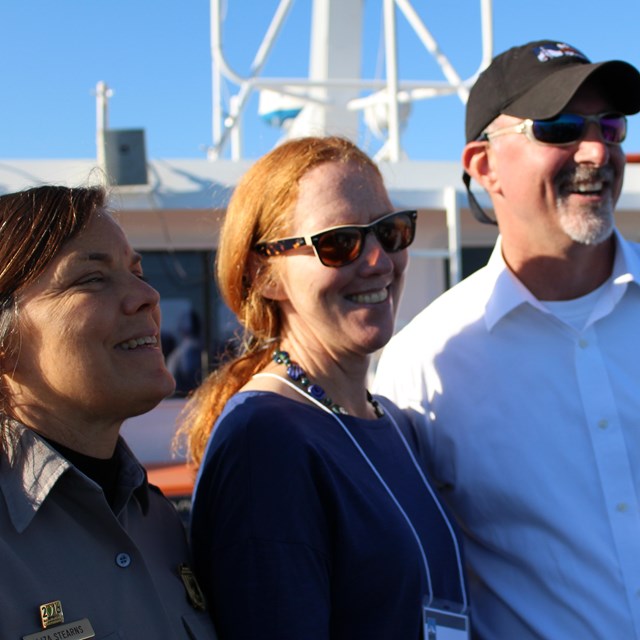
point(155, 55)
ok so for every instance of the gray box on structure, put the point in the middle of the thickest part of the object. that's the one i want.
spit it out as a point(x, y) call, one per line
point(125, 156)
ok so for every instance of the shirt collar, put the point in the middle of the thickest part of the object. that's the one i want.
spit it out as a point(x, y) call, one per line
point(506, 292)
point(626, 266)
point(30, 468)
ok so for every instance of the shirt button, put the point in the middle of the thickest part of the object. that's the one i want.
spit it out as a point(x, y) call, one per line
point(622, 507)
point(582, 343)
point(123, 560)
point(603, 424)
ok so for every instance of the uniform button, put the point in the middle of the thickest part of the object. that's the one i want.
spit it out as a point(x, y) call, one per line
point(622, 507)
point(123, 560)
point(583, 344)
point(603, 424)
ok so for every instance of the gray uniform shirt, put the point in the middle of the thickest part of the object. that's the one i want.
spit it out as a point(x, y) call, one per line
point(61, 541)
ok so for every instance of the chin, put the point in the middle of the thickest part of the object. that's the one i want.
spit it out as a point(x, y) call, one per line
point(376, 342)
point(151, 398)
point(142, 406)
point(167, 389)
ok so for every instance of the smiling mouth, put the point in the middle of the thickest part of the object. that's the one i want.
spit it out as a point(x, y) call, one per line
point(588, 188)
point(371, 297)
point(134, 343)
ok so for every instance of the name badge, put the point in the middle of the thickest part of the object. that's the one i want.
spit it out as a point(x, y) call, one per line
point(445, 621)
point(79, 630)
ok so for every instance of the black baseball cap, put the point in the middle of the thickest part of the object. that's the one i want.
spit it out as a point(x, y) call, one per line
point(537, 80)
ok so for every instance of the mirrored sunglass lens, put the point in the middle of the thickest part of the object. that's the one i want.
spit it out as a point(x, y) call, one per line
point(614, 128)
point(339, 247)
point(396, 233)
point(563, 129)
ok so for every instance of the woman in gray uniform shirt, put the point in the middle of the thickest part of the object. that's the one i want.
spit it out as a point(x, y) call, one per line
point(88, 549)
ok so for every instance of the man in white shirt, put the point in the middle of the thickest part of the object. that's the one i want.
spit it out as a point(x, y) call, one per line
point(527, 374)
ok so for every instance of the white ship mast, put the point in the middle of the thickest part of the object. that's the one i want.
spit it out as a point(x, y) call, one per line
point(331, 100)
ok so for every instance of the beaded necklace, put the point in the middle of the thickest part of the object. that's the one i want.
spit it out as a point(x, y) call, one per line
point(296, 374)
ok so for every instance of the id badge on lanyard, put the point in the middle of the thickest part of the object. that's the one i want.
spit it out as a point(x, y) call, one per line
point(445, 621)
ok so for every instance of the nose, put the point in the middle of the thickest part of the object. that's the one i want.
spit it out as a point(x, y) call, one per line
point(375, 256)
point(140, 295)
point(593, 149)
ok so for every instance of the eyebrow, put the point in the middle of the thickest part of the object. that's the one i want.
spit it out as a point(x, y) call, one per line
point(96, 257)
point(99, 256)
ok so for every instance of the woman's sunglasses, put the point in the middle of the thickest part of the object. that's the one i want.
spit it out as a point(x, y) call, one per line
point(566, 129)
point(339, 246)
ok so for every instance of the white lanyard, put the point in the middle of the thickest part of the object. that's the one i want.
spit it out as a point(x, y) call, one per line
point(388, 489)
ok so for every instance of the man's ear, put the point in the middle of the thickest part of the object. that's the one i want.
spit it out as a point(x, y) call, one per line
point(478, 162)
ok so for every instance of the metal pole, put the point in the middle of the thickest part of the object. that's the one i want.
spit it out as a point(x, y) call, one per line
point(392, 81)
point(103, 93)
point(452, 206)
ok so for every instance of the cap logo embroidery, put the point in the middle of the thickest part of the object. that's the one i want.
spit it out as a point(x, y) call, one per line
point(549, 52)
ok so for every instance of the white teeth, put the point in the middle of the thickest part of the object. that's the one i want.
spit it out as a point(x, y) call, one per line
point(588, 188)
point(370, 298)
point(138, 342)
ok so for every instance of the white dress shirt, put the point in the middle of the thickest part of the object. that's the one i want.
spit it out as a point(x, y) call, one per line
point(534, 432)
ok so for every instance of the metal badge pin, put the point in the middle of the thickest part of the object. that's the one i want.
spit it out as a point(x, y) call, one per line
point(194, 593)
point(51, 613)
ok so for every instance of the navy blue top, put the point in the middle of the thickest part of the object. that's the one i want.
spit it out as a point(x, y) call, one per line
point(295, 537)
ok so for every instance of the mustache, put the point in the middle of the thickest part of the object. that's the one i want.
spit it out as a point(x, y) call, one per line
point(573, 176)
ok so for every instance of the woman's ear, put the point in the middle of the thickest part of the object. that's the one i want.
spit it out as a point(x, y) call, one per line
point(271, 287)
point(265, 279)
point(7, 363)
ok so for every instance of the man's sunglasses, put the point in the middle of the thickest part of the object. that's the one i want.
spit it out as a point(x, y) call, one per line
point(339, 246)
point(566, 129)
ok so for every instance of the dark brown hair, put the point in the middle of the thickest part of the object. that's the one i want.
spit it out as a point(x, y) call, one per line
point(34, 226)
